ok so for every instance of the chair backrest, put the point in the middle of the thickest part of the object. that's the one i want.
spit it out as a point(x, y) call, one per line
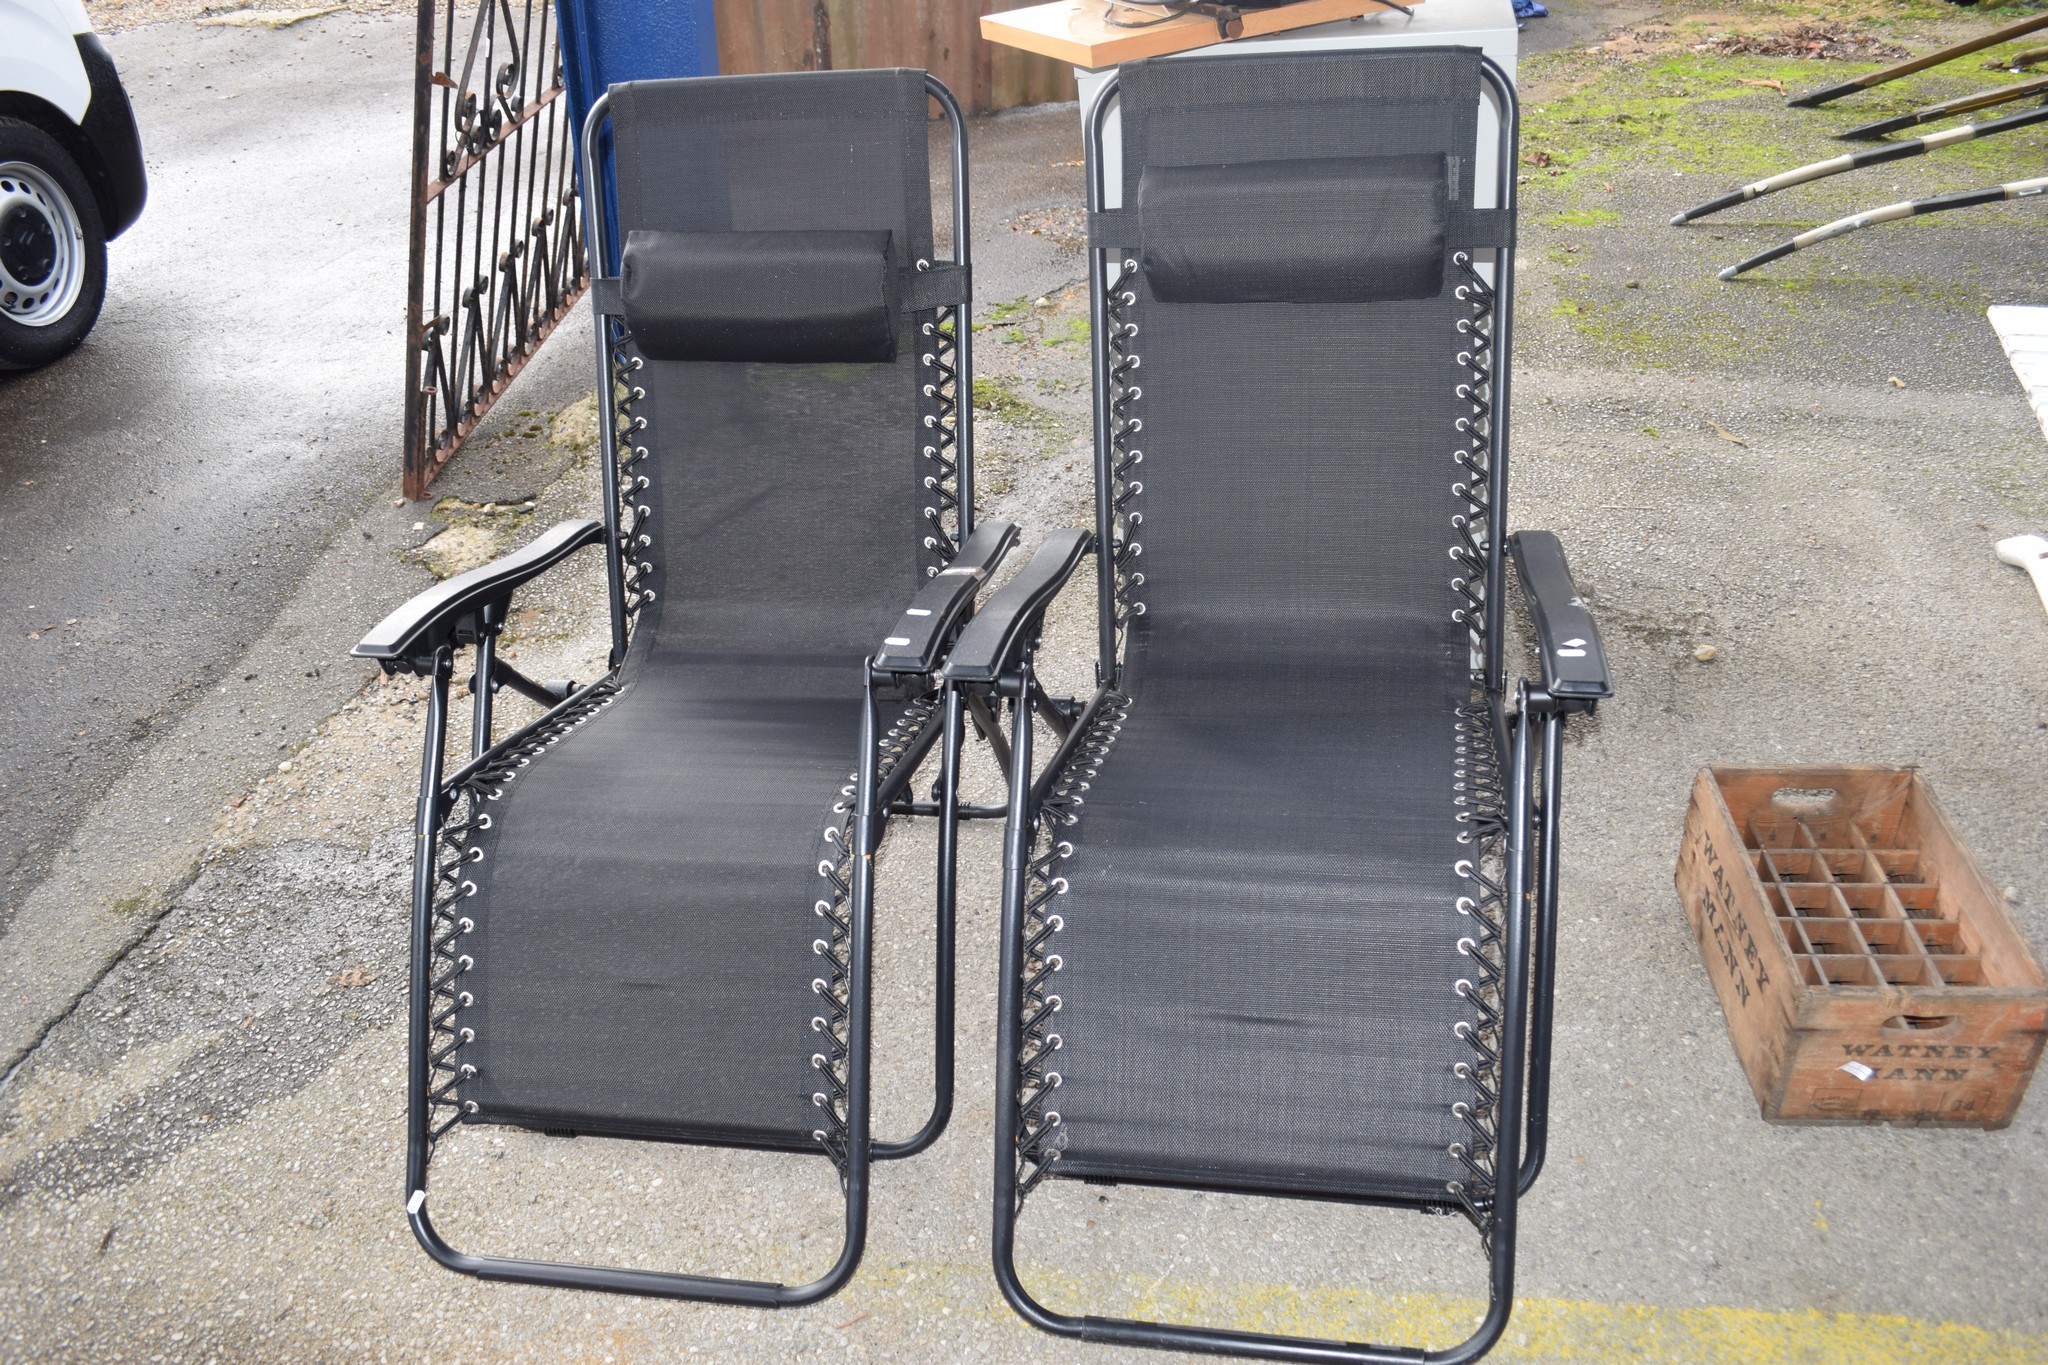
point(787, 506)
point(1298, 319)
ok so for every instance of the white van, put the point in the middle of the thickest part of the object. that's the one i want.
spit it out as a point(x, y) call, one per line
point(71, 177)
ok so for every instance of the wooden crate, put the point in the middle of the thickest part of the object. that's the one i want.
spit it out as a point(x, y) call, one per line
point(1868, 969)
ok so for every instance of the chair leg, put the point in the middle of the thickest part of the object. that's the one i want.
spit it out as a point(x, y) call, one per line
point(1541, 1005)
point(943, 945)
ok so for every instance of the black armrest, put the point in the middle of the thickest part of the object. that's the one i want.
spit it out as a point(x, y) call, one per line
point(1574, 662)
point(447, 610)
point(924, 629)
point(991, 641)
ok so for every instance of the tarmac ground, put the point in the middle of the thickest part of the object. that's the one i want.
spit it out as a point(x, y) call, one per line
point(201, 1151)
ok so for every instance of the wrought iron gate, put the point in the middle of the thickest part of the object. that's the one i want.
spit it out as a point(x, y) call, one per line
point(497, 239)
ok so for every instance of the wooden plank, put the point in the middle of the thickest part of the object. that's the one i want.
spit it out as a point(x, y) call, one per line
point(1074, 31)
point(1008, 76)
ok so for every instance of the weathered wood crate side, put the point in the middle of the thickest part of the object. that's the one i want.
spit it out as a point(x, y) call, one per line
point(1937, 1016)
point(1750, 969)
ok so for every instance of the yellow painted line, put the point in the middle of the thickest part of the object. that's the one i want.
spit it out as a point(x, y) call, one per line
point(1550, 1331)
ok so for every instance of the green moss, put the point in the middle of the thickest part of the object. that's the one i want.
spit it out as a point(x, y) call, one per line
point(1582, 218)
point(1692, 112)
point(1074, 333)
point(998, 397)
point(1005, 313)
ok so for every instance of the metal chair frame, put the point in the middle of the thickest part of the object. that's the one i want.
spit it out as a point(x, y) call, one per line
point(422, 638)
point(1529, 736)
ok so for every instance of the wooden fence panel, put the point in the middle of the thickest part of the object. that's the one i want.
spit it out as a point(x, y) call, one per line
point(942, 36)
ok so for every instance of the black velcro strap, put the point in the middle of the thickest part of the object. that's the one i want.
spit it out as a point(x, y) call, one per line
point(604, 295)
point(1481, 227)
point(776, 297)
point(1113, 227)
point(1322, 230)
point(940, 286)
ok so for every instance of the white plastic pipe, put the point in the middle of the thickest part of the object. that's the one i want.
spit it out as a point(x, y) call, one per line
point(2029, 552)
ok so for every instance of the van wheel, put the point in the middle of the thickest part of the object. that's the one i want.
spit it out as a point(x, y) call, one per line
point(53, 249)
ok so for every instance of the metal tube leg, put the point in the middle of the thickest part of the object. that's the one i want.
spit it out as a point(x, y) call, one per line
point(1544, 912)
point(419, 1048)
point(943, 947)
point(480, 684)
point(1017, 835)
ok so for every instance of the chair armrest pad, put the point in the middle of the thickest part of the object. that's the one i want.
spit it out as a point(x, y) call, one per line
point(410, 636)
point(921, 634)
point(991, 641)
point(1574, 661)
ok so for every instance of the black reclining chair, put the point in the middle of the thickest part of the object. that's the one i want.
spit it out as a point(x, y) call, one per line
point(648, 913)
point(1277, 915)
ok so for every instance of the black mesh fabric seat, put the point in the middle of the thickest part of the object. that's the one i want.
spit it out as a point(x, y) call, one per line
point(1262, 932)
point(648, 913)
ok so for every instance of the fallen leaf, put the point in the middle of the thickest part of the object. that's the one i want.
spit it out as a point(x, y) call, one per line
point(1896, 382)
point(355, 978)
point(1778, 86)
point(1726, 434)
point(1706, 654)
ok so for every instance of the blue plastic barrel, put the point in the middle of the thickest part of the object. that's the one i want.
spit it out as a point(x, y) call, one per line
point(605, 42)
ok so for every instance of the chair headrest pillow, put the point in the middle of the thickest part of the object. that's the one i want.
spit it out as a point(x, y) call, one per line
point(1327, 230)
point(778, 297)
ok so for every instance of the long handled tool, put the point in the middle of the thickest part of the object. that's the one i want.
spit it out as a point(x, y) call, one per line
point(1962, 104)
point(2031, 24)
point(1896, 151)
point(1910, 208)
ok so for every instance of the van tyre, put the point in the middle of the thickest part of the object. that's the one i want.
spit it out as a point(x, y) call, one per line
point(53, 249)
